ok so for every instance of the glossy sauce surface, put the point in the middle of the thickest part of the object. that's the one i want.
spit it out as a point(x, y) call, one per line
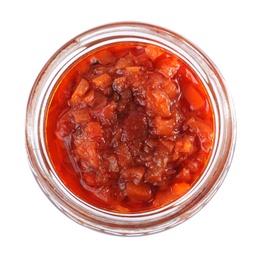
point(129, 128)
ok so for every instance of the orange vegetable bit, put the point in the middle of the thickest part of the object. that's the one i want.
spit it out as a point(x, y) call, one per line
point(158, 103)
point(87, 152)
point(81, 116)
point(133, 173)
point(80, 90)
point(103, 82)
point(164, 127)
point(180, 188)
point(194, 98)
point(140, 192)
point(168, 67)
point(184, 175)
point(104, 57)
point(164, 197)
point(153, 52)
point(94, 131)
point(123, 153)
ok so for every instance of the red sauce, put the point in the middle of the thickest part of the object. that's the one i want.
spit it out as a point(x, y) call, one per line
point(129, 128)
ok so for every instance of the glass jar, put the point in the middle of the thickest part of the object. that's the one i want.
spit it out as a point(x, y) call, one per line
point(135, 223)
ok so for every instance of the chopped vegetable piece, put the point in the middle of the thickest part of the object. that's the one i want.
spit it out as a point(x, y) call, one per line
point(203, 131)
point(89, 98)
point(194, 98)
point(81, 116)
point(119, 85)
point(153, 52)
point(141, 192)
point(163, 127)
point(158, 103)
point(107, 114)
point(133, 173)
point(185, 144)
point(94, 130)
point(64, 125)
point(105, 57)
point(124, 155)
point(103, 82)
point(168, 67)
point(180, 188)
point(80, 90)
point(164, 197)
point(184, 175)
point(87, 152)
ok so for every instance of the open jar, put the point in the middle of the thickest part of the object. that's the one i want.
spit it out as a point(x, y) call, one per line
point(92, 137)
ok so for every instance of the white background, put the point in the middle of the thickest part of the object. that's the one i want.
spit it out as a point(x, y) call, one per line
point(30, 226)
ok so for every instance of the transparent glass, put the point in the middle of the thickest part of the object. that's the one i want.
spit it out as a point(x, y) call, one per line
point(135, 223)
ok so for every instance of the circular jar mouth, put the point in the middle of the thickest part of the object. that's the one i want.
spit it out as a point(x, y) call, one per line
point(154, 220)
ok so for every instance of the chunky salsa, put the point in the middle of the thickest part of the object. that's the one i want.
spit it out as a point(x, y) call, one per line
point(129, 128)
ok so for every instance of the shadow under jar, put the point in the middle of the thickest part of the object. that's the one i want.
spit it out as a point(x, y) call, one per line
point(130, 129)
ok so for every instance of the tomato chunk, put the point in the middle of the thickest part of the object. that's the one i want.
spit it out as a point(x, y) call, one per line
point(184, 175)
point(168, 67)
point(164, 197)
point(64, 125)
point(164, 127)
point(180, 188)
point(103, 82)
point(86, 151)
point(140, 192)
point(153, 52)
point(194, 98)
point(124, 155)
point(94, 130)
point(105, 57)
point(203, 131)
point(80, 90)
point(158, 103)
point(133, 173)
point(81, 116)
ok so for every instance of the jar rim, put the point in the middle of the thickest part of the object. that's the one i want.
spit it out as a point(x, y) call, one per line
point(149, 221)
